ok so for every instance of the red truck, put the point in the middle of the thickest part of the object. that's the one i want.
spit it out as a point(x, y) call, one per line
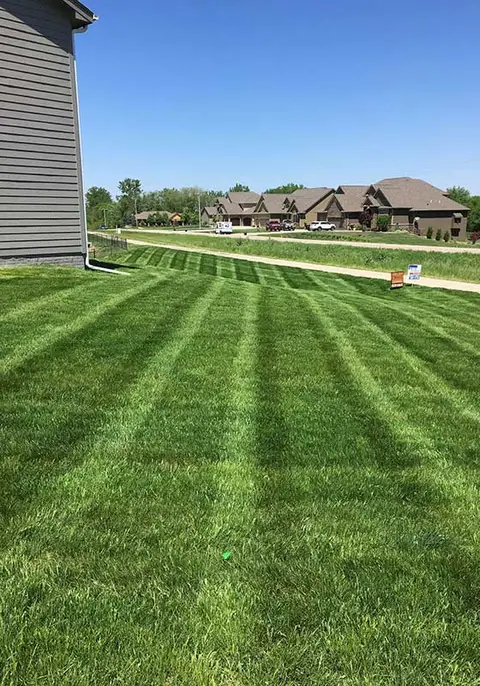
point(274, 225)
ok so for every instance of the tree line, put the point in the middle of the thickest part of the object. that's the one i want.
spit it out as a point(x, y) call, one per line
point(103, 208)
point(464, 197)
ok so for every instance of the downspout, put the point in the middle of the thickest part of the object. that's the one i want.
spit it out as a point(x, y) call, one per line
point(83, 214)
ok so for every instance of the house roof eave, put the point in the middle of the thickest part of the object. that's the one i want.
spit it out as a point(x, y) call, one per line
point(83, 16)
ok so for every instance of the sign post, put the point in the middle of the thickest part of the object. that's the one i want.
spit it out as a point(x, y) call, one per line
point(397, 279)
point(414, 273)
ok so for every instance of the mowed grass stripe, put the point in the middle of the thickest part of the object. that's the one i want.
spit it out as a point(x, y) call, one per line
point(131, 412)
point(46, 331)
point(40, 296)
point(343, 524)
point(224, 615)
point(429, 381)
point(412, 300)
point(185, 488)
point(79, 519)
point(433, 339)
point(89, 373)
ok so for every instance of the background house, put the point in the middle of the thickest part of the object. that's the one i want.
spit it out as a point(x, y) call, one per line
point(307, 205)
point(346, 204)
point(416, 204)
point(209, 215)
point(239, 215)
point(271, 206)
point(174, 218)
point(246, 199)
point(41, 191)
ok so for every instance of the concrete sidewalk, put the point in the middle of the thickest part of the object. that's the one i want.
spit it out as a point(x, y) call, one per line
point(346, 271)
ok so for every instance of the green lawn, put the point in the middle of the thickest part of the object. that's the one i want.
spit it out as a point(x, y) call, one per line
point(461, 267)
point(393, 237)
point(323, 430)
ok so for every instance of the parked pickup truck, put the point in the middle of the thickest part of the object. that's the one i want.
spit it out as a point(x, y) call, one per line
point(274, 225)
point(322, 226)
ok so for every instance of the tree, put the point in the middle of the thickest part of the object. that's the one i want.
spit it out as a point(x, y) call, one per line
point(460, 194)
point(97, 195)
point(474, 215)
point(239, 188)
point(130, 193)
point(287, 189)
point(365, 219)
point(464, 197)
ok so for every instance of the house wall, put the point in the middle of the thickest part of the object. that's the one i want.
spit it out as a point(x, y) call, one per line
point(261, 220)
point(441, 220)
point(41, 194)
point(400, 217)
point(334, 213)
point(206, 219)
point(314, 214)
point(350, 219)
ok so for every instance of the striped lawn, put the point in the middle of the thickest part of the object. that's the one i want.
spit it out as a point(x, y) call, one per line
point(322, 430)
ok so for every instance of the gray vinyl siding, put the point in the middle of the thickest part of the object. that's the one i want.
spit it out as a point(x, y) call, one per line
point(41, 195)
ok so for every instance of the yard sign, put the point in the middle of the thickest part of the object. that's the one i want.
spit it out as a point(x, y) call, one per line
point(397, 279)
point(414, 272)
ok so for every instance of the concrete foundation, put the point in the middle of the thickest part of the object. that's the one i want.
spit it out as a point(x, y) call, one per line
point(56, 260)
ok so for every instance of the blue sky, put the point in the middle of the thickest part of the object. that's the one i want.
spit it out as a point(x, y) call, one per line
point(211, 92)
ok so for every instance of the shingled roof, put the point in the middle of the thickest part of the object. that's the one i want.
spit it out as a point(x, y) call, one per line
point(244, 197)
point(351, 198)
point(232, 208)
point(305, 198)
point(274, 203)
point(416, 194)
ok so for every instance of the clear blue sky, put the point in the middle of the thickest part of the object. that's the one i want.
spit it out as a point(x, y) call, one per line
point(211, 92)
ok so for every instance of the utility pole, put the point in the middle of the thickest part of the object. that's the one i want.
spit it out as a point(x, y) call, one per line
point(199, 211)
point(105, 217)
point(136, 207)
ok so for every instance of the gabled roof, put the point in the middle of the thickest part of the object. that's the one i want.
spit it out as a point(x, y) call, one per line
point(82, 16)
point(224, 206)
point(243, 197)
point(415, 194)
point(274, 203)
point(211, 211)
point(351, 198)
point(319, 191)
point(306, 198)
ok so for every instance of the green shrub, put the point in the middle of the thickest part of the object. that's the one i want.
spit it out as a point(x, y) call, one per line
point(383, 222)
point(430, 232)
point(438, 235)
point(446, 236)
